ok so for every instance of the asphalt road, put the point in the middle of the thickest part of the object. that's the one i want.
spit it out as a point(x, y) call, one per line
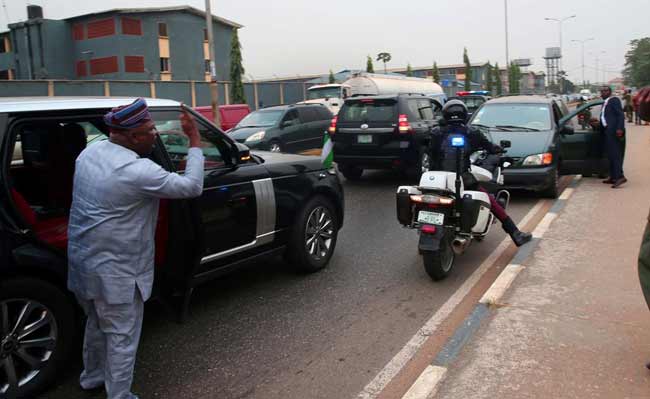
point(266, 332)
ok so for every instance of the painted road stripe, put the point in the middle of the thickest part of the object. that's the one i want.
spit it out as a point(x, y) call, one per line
point(432, 376)
point(567, 193)
point(493, 295)
point(544, 224)
point(397, 363)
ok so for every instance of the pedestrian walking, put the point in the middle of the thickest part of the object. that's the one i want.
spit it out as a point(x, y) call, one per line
point(612, 127)
point(635, 105)
point(627, 105)
point(111, 238)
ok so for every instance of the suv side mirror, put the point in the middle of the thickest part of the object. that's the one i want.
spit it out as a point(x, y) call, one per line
point(243, 153)
point(505, 144)
point(567, 130)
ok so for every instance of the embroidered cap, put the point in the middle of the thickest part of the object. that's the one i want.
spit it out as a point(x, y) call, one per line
point(128, 116)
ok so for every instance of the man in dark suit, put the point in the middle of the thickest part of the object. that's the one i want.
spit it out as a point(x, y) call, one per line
point(612, 125)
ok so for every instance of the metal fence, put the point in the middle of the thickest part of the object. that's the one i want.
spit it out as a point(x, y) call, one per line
point(194, 93)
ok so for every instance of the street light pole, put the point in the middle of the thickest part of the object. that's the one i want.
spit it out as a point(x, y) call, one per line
point(214, 92)
point(560, 21)
point(583, 57)
point(505, 3)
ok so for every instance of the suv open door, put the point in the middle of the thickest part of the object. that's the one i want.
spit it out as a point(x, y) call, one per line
point(581, 145)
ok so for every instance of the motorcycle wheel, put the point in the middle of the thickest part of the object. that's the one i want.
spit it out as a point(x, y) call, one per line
point(438, 264)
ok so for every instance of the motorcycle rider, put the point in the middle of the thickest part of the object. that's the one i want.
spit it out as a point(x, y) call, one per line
point(443, 156)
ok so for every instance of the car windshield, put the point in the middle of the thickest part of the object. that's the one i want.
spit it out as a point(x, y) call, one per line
point(528, 116)
point(332, 92)
point(261, 118)
point(369, 110)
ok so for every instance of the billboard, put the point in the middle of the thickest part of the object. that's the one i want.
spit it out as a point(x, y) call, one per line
point(553, 52)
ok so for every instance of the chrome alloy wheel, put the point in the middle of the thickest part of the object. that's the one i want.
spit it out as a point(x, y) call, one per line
point(319, 233)
point(28, 333)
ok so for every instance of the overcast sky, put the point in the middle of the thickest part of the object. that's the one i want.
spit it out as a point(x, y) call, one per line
point(293, 37)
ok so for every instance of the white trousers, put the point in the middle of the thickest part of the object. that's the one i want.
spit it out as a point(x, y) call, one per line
point(110, 345)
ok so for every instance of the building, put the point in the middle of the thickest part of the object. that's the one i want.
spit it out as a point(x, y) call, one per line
point(119, 44)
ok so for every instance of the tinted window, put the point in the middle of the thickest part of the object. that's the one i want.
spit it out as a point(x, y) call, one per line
point(534, 116)
point(426, 109)
point(414, 110)
point(291, 117)
point(369, 110)
point(308, 114)
point(324, 113)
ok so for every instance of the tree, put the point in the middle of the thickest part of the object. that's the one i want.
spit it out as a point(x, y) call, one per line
point(332, 79)
point(236, 71)
point(497, 79)
point(385, 58)
point(409, 70)
point(488, 78)
point(369, 67)
point(514, 78)
point(435, 73)
point(468, 71)
point(637, 63)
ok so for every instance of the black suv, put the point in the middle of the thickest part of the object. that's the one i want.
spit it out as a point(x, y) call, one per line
point(286, 128)
point(383, 132)
point(252, 206)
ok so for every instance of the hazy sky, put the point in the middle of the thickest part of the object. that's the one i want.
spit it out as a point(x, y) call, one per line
point(292, 37)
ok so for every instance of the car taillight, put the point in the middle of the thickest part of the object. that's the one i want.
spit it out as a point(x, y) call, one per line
point(431, 199)
point(332, 128)
point(403, 125)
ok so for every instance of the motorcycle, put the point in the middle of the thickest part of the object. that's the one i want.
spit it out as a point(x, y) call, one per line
point(448, 217)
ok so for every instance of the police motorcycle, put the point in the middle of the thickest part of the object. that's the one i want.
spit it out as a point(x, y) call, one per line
point(447, 216)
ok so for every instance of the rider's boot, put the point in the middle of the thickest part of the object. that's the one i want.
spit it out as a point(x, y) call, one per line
point(518, 236)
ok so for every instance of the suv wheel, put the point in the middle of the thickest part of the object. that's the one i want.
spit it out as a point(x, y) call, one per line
point(553, 189)
point(351, 172)
point(37, 329)
point(314, 234)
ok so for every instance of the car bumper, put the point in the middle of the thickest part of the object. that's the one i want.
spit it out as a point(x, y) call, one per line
point(528, 178)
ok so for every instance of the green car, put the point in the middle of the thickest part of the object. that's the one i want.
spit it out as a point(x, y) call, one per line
point(547, 140)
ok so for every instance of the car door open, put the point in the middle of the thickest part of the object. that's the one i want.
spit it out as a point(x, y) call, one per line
point(581, 142)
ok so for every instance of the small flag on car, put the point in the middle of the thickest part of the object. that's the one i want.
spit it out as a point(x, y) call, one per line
point(327, 154)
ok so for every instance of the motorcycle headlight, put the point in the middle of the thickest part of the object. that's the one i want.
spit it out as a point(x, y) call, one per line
point(538, 159)
point(256, 136)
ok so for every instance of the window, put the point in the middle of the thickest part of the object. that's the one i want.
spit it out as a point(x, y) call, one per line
point(426, 109)
point(103, 65)
point(215, 149)
point(5, 47)
point(291, 118)
point(534, 116)
point(414, 110)
point(4, 75)
point(205, 35)
point(162, 29)
point(308, 114)
point(134, 63)
point(164, 64)
point(263, 118)
point(207, 66)
point(78, 32)
point(131, 26)
point(81, 69)
point(369, 110)
point(101, 28)
point(324, 114)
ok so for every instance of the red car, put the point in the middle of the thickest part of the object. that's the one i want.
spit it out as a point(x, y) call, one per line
point(230, 114)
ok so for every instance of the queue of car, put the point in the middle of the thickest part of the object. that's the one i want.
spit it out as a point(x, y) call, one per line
point(255, 204)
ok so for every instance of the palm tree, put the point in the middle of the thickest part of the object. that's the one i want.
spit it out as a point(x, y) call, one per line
point(385, 58)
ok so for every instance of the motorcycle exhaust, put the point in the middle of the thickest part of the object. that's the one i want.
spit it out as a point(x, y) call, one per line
point(459, 245)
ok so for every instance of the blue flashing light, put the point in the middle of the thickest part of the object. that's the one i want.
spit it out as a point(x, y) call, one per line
point(458, 141)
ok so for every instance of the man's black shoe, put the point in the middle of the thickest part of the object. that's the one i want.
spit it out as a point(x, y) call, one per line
point(520, 238)
point(608, 181)
point(618, 183)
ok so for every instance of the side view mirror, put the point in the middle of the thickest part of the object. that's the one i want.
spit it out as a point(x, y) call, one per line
point(243, 153)
point(567, 130)
point(505, 144)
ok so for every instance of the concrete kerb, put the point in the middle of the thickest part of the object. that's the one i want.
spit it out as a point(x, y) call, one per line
point(427, 384)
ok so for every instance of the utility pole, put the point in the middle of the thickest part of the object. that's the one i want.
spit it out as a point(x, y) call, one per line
point(583, 57)
point(505, 4)
point(560, 21)
point(214, 92)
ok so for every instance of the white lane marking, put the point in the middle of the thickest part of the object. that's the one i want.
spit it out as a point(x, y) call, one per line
point(567, 193)
point(544, 224)
point(493, 295)
point(395, 365)
point(427, 383)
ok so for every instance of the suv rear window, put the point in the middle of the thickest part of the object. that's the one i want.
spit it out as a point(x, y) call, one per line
point(369, 110)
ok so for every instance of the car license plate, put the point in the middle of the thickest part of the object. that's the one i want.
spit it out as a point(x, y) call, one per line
point(431, 218)
point(364, 139)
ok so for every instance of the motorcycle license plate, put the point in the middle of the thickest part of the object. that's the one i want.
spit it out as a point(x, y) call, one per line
point(364, 139)
point(431, 218)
